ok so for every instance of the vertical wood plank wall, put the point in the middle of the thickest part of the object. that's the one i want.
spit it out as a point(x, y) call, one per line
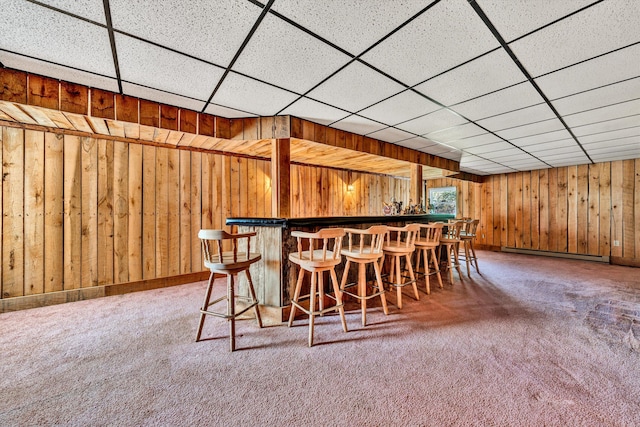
point(583, 209)
point(82, 212)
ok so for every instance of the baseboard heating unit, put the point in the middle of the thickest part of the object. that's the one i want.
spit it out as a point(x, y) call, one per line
point(596, 258)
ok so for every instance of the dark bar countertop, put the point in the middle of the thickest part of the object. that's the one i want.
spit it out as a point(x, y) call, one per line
point(333, 220)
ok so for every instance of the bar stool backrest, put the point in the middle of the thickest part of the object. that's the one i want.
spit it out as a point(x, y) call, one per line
point(470, 227)
point(318, 249)
point(453, 230)
point(402, 237)
point(430, 233)
point(368, 241)
point(215, 257)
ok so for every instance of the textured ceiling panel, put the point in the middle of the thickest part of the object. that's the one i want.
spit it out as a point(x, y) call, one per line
point(611, 136)
point(391, 135)
point(353, 25)
point(531, 14)
point(441, 119)
point(519, 96)
point(212, 31)
point(163, 97)
point(359, 125)
point(314, 111)
point(142, 63)
point(89, 9)
point(238, 92)
point(488, 149)
point(597, 30)
point(518, 118)
point(478, 77)
point(355, 87)
point(297, 61)
point(611, 68)
point(456, 134)
point(541, 138)
point(615, 111)
point(400, 108)
point(538, 128)
point(36, 31)
point(620, 92)
point(450, 31)
point(606, 126)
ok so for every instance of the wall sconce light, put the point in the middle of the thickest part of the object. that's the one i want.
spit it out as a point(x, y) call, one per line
point(350, 188)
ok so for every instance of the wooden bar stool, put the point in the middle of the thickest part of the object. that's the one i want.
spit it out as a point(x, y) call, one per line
point(399, 243)
point(450, 240)
point(427, 242)
point(467, 236)
point(229, 263)
point(364, 247)
point(322, 254)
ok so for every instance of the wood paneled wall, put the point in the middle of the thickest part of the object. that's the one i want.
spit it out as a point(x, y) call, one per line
point(585, 209)
point(81, 212)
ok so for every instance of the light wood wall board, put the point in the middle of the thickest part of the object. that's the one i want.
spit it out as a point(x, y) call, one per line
point(34, 176)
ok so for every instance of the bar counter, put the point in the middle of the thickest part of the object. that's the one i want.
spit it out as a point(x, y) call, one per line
point(274, 278)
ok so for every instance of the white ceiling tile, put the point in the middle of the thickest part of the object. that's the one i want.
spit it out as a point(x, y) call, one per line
point(451, 155)
point(355, 87)
point(302, 60)
point(238, 92)
point(479, 77)
point(540, 138)
point(90, 9)
point(608, 146)
point(353, 25)
point(213, 31)
point(509, 154)
point(229, 113)
point(620, 92)
point(572, 161)
point(597, 30)
point(416, 143)
point(456, 134)
point(610, 136)
point(489, 149)
point(513, 98)
point(530, 15)
point(359, 125)
point(606, 126)
point(29, 29)
point(623, 109)
point(610, 68)
point(486, 138)
point(524, 163)
point(314, 111)
point(35, 66)
point(400, 108)
point(142, 63)
point(608, 157)
point(518, 118)
point(542, 127)
point(544, 147)
point(392, 135)
point(161, 97)
point(441, 119)
point(562, 153)
point(438, 150)
point(450, 31)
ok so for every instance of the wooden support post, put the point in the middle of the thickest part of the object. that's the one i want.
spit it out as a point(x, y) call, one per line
point(280, 177)
point(415, 188)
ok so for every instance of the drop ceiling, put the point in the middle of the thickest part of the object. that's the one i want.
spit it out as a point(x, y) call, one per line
point(498, 85)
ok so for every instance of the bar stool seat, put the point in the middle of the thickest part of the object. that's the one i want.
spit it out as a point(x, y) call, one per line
point(399, 243)
point(467, 236)
point(317, 252)
point(364, 247)
point(450, 240)
point(427, 242)
point(229, 263)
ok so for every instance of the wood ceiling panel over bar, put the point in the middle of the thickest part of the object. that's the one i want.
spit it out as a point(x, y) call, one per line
point(40, 101)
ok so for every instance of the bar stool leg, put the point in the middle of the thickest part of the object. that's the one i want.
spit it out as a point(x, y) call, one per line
point(449, 266)
point(312, 305)
point(205, 305)
point(321, 291)
point(398, 282)
point(425, 256)
point(413, 277)
point(434, 258)
point(383, 298)
point(336, 290)
point(255, 299)
point(467, 255)
point(457, 260)
point(296, 295)
point(475, 258)
point(362, 291)
point(231, 311)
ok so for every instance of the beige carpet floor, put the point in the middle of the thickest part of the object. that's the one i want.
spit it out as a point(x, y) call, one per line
point(532, 341)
